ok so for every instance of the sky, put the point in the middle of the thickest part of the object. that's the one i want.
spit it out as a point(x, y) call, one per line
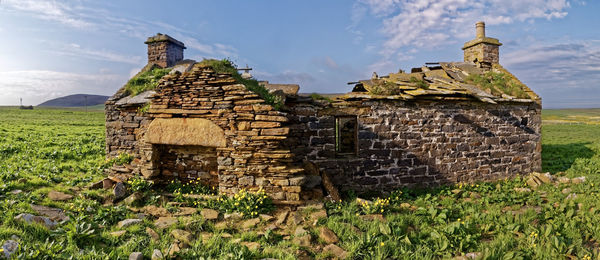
point(50, 49)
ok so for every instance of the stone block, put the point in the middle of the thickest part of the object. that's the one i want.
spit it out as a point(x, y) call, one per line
point(271, 118)
point(292, 196)
point(246, 181)
point(297, 189)
point(275, 131)
point(280, 182)
point(297, 181)
point(265, 124)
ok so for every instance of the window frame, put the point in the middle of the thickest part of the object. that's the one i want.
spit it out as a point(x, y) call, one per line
point(337, 136)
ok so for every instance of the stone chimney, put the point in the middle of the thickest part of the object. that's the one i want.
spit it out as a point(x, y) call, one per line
point(482, 49)
point(164, 50)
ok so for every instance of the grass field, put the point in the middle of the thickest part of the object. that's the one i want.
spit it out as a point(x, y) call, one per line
point(45, 150)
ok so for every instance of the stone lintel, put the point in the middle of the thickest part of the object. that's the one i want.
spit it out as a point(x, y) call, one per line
point(185, 131)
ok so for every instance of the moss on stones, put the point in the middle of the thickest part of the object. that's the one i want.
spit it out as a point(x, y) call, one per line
point(497, 83)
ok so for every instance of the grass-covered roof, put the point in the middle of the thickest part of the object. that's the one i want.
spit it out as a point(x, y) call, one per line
point(450, 79)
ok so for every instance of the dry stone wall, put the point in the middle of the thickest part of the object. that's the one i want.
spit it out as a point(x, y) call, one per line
point(482, 52)
point(189, 163)
point(402, 143)
point(164, 53)
point(125, 128)
point(253, 156)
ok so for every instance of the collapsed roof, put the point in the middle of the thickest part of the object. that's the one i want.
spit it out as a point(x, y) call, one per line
point(446, 80)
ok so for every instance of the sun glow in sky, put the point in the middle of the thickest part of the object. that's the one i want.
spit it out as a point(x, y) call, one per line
point(56, 48)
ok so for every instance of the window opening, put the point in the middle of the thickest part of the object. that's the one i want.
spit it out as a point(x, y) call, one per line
point(346, 135)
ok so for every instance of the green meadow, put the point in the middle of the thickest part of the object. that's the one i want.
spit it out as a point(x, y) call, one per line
point(62, 150)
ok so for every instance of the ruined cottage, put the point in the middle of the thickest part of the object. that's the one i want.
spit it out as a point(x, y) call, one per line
point(444, 122)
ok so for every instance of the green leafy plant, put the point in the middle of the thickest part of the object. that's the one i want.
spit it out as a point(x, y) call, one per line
point(497, 83)
point(248, 204)
point(193, 186)
point(143, 109)
point(44, 250)
point(379, 206)
point(147, 80)
point(420, 83)
point(121, 159)
point(78, 231)
point(138, 183)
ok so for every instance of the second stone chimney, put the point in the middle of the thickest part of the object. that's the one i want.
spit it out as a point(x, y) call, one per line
point(164, 50)
point(482, 49)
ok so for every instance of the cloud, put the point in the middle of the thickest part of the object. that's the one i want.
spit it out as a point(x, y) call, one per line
point(565, 74)
point(36, 86)
point(49, 10)
point(76, 50)
point(216, 50)
point(326, 62)
point(85, 18)
point(431, 23)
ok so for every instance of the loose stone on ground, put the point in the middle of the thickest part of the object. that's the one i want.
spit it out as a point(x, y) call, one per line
point(119, 191)
point(136, 256)
point(328, 236)
point(250, 223)
point(209, 214)
point(9, 248)
point(29, 218)
point(53, 213)
point(183, 236)
point(152, 234)
point(157, 255)
point(336, 251)
point(59, 196)
point(165, 222)
point(128, 222)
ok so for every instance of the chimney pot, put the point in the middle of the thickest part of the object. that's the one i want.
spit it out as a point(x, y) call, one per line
point(482, 49)
point(480, 29)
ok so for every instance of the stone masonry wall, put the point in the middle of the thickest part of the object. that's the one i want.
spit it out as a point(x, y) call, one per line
point(482, 53)
point(124, 129)
point(164, 53)
point(189, 163)
point(254, 156)
point(426, 143)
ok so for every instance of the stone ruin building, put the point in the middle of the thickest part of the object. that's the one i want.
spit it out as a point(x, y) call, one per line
point(445, 122)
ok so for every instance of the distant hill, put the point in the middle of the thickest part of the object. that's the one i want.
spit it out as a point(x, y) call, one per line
point(77, 100)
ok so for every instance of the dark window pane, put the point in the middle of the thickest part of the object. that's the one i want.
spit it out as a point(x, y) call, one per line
point(345, 135)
